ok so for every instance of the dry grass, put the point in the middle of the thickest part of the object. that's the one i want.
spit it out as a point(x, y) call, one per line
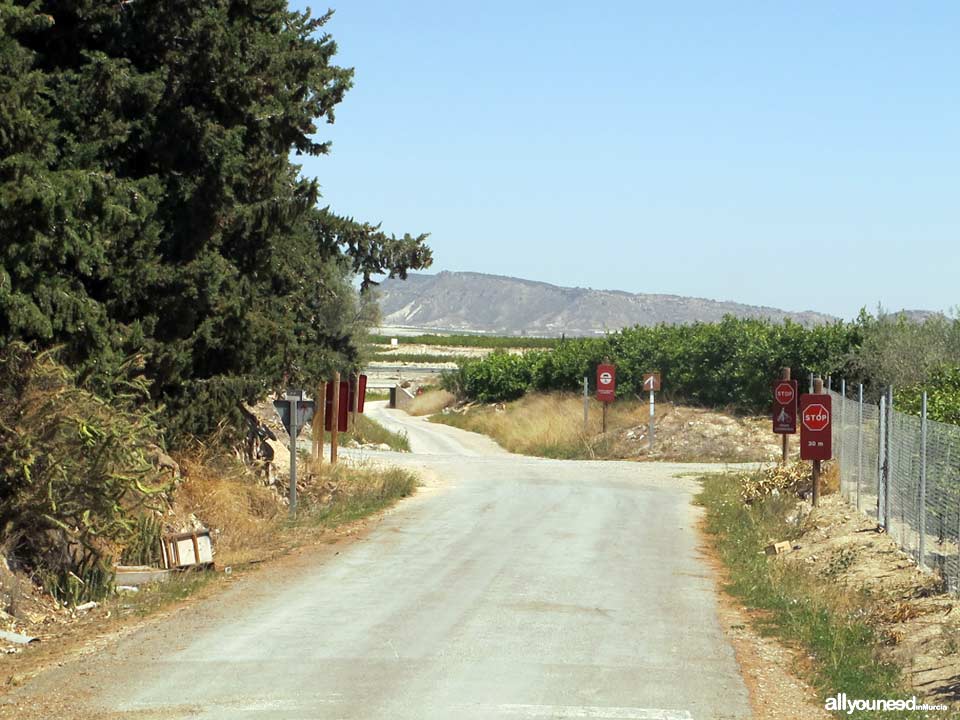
point(547, 425)
point(250, 520)
point(221, 493)
point(432, 401)
point(551, 425)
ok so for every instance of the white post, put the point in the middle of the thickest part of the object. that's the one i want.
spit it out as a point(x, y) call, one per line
point(652, 412)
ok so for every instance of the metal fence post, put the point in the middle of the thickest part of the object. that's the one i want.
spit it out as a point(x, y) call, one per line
point(881, 460)
point(843, 430)
point(859, 442)
point(923, 483)
point(811, 383)
point(886, 461)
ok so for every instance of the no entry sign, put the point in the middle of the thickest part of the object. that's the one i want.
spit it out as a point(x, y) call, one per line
point(606, 382)
point(785, 407)
point(816, 432)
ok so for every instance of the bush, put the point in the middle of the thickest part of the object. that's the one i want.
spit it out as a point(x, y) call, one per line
point(730, 363)
point(74, 480)
point(943, 396)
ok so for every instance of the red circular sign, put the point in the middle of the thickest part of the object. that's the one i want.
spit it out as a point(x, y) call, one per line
point(784, 393)
point(606, 378)
point(816, 417)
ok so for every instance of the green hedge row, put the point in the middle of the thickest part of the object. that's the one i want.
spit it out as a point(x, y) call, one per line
point(726, 364)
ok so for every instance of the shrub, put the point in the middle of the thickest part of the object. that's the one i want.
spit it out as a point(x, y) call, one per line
point(74, 479)
point(730, 363)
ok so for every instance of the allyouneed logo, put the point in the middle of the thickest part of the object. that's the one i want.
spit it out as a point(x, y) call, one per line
point(841, 703)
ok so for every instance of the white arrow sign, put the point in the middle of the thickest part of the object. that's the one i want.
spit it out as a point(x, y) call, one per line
point(650, 383)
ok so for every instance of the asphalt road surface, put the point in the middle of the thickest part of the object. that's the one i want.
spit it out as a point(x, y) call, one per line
point(510, 587)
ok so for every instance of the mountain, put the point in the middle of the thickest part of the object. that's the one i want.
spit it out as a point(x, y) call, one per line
point(475, 302)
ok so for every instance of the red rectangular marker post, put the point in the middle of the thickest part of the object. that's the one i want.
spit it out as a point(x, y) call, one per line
point(343, 407)
point(361, 380)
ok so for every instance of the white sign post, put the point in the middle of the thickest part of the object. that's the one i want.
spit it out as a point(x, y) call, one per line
point(651, 382)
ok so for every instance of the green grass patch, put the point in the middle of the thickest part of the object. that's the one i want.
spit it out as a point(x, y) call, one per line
point(826, 620)
point(371, 432)
point(156, 596)
point(481, 341)
point(362, 492)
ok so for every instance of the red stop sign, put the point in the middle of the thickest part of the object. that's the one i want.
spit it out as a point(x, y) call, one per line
point(785, 392)
point(816, 434)
point(816, 417)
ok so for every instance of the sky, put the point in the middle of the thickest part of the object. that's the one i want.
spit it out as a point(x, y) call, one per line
point(798, 155)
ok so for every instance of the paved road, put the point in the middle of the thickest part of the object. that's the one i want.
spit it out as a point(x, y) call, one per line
point(515, 588)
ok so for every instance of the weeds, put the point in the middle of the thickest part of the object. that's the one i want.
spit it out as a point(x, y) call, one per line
point(827, 620)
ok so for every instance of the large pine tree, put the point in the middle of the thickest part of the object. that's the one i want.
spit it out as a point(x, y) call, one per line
point(148, 202)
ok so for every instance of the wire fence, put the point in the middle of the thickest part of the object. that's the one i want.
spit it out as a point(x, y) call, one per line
point(905, 472)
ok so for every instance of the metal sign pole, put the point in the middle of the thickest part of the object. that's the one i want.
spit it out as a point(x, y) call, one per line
point(292, 400)
point(817, 390)
point(785, 375)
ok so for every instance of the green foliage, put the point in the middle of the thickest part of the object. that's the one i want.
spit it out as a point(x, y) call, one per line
point(943, 396)
point(730, 363)
point(499, 376)
point(903, 353)
point(73, 475)
point(149, 205)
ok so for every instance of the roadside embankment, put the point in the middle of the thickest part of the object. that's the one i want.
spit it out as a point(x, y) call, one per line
point(249, 521)
point(868, 622)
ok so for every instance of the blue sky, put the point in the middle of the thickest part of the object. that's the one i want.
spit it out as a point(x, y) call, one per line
point(800, 155)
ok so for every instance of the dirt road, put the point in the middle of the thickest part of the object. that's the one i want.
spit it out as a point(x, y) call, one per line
point(517, 588)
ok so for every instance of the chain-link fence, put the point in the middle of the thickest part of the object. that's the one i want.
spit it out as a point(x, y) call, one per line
point(905, 472)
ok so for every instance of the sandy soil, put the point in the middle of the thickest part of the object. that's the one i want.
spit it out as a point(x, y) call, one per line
point(918, 620)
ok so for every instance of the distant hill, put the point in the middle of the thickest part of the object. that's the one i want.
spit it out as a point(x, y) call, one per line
point(474, 302)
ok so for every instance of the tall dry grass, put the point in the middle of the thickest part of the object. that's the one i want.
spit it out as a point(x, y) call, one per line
point(432, 401)
point(549, 425)
point(251, 521)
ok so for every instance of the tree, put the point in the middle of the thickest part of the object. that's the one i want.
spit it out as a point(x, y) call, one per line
point(152, 207)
